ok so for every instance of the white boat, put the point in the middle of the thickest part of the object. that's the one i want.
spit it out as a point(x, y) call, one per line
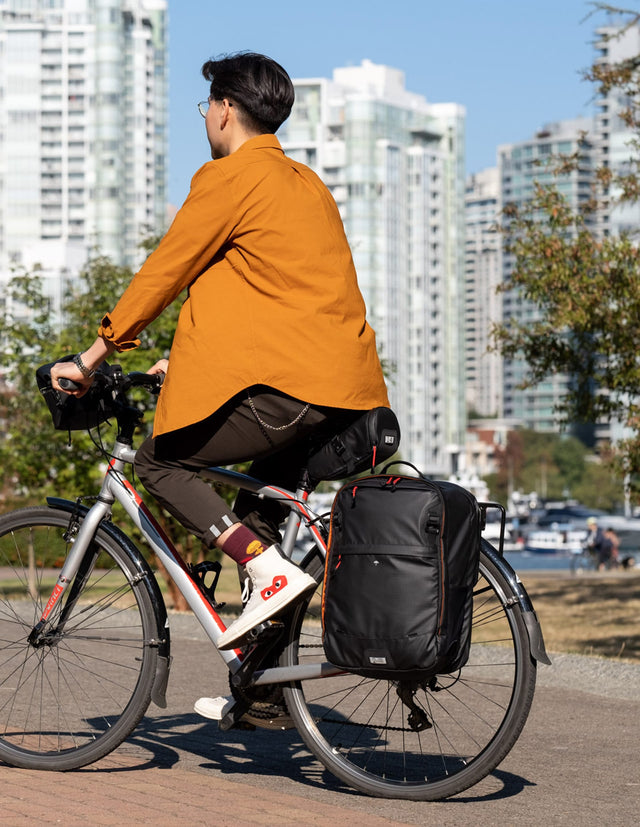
point(557, 539)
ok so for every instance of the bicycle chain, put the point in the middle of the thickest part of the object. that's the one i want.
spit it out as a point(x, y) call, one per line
point(355, 723)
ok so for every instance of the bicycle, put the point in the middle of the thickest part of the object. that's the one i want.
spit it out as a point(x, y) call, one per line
point(85, 646)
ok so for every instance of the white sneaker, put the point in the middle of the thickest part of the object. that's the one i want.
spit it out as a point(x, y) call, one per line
point(276, 583)
point(260, 714)
point(214, 708)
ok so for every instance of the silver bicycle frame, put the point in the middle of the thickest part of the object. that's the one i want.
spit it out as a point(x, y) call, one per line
point(117, 488)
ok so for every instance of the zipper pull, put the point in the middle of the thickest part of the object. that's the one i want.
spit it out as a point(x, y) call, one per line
point(391, 483)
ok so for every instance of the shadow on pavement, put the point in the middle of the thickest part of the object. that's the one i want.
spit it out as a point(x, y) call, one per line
point(167, 740)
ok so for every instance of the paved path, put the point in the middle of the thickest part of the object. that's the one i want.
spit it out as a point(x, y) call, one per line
point(577, 762)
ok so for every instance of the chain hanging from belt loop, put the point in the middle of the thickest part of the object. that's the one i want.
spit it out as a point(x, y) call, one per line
point(266, 425)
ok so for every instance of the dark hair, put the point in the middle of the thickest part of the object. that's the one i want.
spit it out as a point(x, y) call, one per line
point(257, 85)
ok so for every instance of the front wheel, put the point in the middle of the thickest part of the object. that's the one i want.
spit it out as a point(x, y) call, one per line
point(75, 693)
point(427, 742)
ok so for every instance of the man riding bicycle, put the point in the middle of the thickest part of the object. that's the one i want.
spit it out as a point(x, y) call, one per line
point(272, 348)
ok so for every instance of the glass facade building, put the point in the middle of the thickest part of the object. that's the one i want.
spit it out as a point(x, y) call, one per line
point(519, 167)
point(615, 44)
point(483, 304)
point(83, 132)
point(395, 166)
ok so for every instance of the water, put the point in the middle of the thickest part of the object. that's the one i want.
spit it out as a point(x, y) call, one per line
point(528, 561)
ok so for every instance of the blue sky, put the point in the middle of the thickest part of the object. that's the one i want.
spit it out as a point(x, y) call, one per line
point(514, 64)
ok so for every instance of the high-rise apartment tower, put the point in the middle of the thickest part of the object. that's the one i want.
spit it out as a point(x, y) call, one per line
point(520, 165)
point(483, 303)
point(83, 132)
point(395, 165)
point(615, 44)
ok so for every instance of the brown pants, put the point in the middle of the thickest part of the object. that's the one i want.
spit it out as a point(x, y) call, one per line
point(248, 427)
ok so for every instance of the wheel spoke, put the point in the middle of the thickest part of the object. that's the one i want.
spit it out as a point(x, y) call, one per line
point(450, 732)
point(75, 693)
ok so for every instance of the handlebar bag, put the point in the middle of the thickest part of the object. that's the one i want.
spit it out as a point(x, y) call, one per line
point(373, 438)
point(402, 562)
point(68, 412)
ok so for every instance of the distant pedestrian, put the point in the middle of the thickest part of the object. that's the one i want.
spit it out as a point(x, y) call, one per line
point(597, 544)
point(614, 556)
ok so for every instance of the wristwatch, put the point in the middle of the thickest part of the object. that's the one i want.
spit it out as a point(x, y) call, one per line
point(84, 370)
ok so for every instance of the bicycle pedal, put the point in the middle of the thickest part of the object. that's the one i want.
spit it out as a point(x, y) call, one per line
point(227, 711)
point(265, 631)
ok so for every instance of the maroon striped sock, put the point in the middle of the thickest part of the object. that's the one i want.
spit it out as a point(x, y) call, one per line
point(243, 545)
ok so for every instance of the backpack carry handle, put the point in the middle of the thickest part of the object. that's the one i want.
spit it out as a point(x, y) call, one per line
point(403, 462)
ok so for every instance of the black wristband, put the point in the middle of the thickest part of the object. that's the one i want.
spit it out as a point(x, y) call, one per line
point(84, 370)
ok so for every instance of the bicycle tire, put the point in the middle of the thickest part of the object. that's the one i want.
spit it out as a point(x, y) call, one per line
point(73, 698)
point(359, 728)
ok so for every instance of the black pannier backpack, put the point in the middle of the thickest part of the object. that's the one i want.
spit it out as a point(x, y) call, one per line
point(401, 566)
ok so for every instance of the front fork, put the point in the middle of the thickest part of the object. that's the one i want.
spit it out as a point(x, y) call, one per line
point(75, 570)
point(83, 524)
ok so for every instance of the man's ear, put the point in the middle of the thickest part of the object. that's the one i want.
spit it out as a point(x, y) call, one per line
point(225, 112)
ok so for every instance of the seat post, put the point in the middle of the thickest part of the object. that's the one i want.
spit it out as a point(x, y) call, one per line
point(305, 483)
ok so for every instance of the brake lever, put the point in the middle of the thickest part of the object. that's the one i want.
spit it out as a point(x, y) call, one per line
point(160, 377)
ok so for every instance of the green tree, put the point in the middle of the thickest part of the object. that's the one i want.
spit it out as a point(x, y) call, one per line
point(509, 461)
point(27, 450)
point(586, 287)
point(569, 457)
point(555, 467)
point(599, 487)
point(30, 448)
point(36, 460)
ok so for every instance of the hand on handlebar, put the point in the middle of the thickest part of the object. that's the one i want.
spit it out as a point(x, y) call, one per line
point(161, 366)
point(67, 370)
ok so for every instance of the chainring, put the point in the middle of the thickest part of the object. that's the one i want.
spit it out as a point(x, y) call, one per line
point(268, 708)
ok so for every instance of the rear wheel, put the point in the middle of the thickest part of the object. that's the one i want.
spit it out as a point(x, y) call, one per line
point(421, 742)
point(74, 693)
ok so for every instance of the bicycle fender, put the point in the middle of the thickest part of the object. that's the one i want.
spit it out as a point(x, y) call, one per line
point(163, 636)
point(534, 630)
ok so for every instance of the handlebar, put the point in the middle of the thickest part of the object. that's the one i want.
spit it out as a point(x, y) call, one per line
point(68, 384)
point(105, 399)
point(115, 380)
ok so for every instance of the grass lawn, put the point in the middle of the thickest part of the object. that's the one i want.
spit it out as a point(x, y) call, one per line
point(591, 614)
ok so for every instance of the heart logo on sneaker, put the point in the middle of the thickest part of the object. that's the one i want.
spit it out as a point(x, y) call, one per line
point(279, 582)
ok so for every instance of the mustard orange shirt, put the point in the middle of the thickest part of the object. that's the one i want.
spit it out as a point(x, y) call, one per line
point(272, 292)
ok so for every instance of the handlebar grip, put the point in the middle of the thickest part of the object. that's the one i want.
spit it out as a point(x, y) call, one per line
point(68, 384)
